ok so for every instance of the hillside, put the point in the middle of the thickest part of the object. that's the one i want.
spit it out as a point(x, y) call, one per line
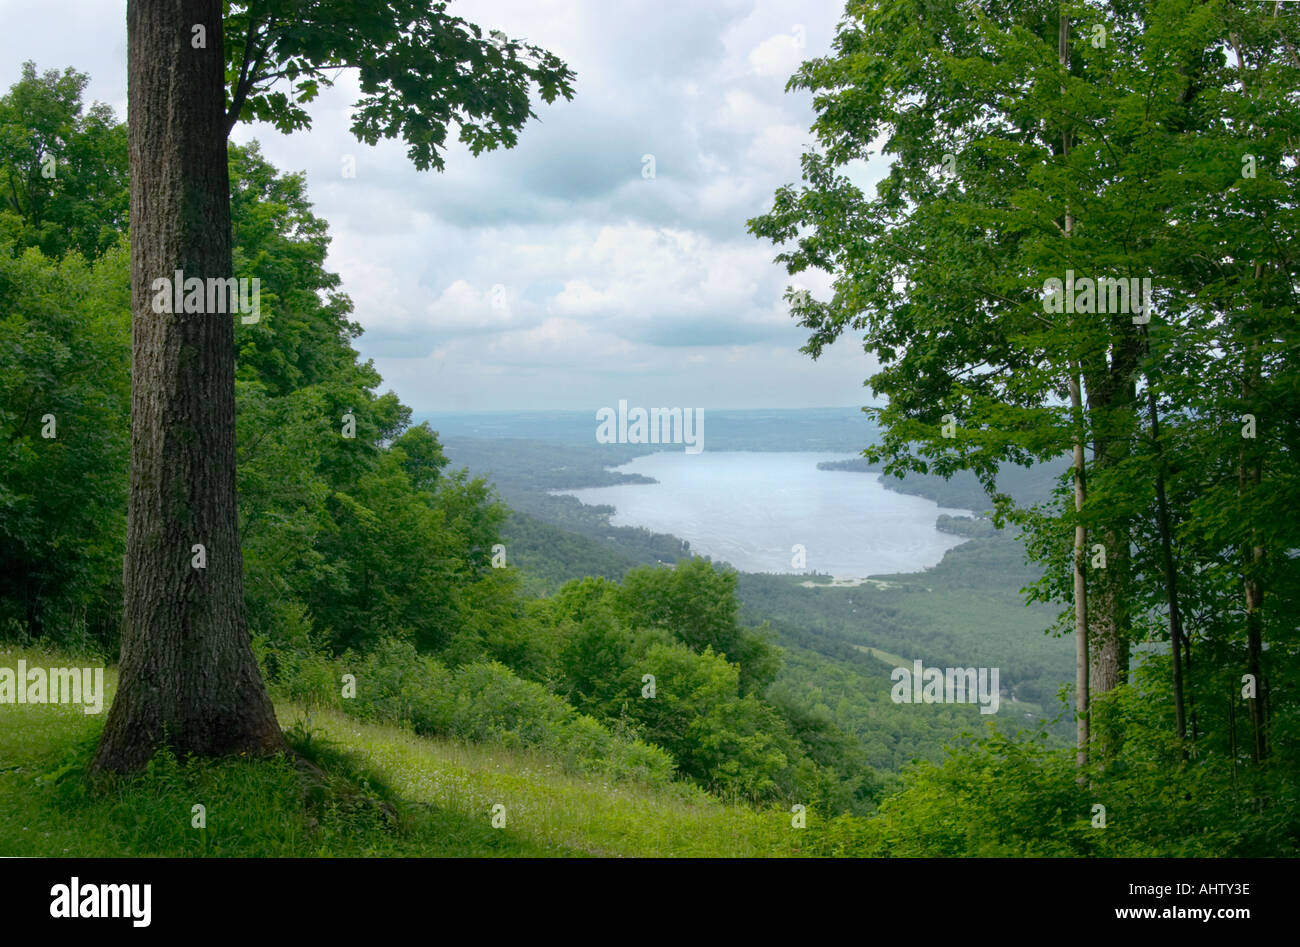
point(968, 604)
point(388, 792)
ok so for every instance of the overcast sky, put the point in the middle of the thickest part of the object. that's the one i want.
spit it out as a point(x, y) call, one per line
point(555, 275)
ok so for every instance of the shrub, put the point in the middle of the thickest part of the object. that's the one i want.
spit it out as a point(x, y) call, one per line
point(479, 703)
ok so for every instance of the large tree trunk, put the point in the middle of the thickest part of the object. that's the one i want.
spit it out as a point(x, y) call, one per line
point(1112, 405)
point(1111, 401)
point(1109, 625)
point(188, 678)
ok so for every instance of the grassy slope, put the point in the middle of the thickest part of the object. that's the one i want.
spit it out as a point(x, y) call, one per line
point(440, 796)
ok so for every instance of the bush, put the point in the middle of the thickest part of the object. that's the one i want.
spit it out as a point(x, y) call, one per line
point(479, 703)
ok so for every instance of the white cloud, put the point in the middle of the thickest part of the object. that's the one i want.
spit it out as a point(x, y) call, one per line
point(778, 55)
point(608, 282)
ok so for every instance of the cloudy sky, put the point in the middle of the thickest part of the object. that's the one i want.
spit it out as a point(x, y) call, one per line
point(556, 275)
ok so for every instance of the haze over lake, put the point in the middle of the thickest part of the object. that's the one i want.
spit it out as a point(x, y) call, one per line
point(751, 508)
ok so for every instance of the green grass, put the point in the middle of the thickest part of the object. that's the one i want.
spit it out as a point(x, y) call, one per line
point(892, 660)
point(385, 792)
point(556, 809)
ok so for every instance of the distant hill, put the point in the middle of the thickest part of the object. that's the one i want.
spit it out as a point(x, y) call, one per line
point(966, 611)
point(776, 429)
point(525, 453)
point(1026, 485)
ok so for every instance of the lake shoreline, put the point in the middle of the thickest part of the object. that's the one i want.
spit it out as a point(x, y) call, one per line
point(762, 503)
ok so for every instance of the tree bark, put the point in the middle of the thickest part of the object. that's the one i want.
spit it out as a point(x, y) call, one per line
point(1250, 474)
point(1250, 477)
point(1081, 665)
point(1254, 665)
point(1108, 632)
point(1112, 406)
point(1171, 578)
point(187, 677)
point(1081, 683)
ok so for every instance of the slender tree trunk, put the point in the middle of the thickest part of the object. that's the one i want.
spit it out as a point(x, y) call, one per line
point(1109, 633)
point(1254, 648)
point(188, 678)
point(1078, 462)
point(1254, 592)
point(1190, 686)
point(1081, 664)
point(1171, 579)
point(1250, 477)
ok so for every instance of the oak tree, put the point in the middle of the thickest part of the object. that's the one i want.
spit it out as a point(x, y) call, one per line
point(188, 678)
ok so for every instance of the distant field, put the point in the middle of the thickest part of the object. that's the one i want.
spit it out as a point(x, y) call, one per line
point(810, 429)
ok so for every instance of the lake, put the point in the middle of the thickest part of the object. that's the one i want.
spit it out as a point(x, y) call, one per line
point(751, 508)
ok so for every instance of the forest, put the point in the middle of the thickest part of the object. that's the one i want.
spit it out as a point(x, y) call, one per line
point(368, 637)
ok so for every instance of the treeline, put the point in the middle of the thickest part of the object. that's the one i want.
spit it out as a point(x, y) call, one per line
point(967, 526)
point(948, 616)
point(326, 467)
point(962, 490)
point(517, 464)
point(1086, 246)
point(549, 556)
point(592, 522)
point(557, 537)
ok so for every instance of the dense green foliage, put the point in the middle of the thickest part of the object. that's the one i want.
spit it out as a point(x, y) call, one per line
point(63, 426)
point(1036, 147)
point(478, 703)
point(64, 167)
point(542, 634)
